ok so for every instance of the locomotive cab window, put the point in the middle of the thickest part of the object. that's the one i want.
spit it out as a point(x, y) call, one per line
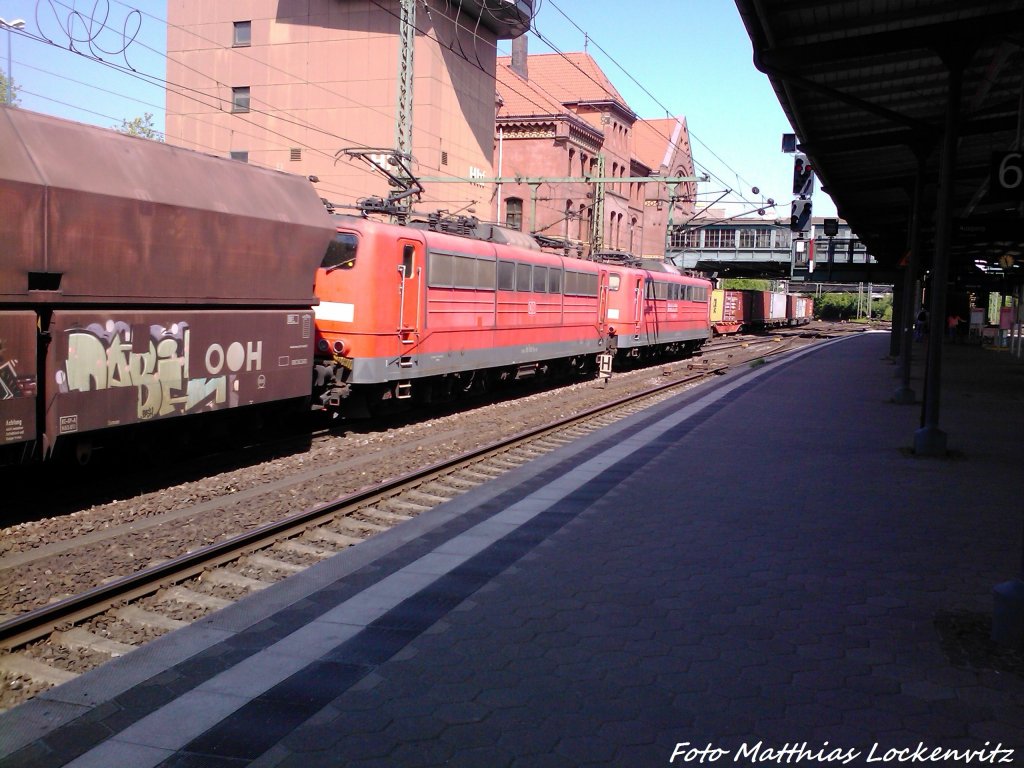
point(614, 281)
point(341, 253)
point(408, 252)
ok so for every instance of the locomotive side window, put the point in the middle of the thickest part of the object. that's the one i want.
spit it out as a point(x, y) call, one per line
point(540, 279)
point(485, 274)
point(408, 252)
point(614, 280)
point(554, 280)
point(580, 284)
point(524, 281)
point(465, 272)
point(441, 269)
point(506, 275)
point(341, 253)
point(449, 270)
point(572, 281)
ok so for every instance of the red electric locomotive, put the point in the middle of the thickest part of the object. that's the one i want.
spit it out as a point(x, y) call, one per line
point(656, 310)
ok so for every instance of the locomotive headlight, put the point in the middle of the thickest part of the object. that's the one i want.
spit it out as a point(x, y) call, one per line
point(322, 345)
point(340, 347)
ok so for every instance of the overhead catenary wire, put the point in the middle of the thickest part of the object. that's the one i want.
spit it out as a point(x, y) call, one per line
point(270, 110)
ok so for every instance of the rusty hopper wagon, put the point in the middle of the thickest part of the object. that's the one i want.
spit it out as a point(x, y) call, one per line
point(141, 282)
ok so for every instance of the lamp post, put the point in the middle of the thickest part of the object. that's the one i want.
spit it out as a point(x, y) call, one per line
point(9, 25)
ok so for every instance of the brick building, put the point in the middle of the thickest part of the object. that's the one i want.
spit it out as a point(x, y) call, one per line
point(288, 83)
point(560, 117)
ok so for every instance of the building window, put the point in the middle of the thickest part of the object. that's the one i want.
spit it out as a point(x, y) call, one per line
point(756, 237)
point(243, 34)
point(514, 213)
point(241, 155)
point(720, 238)
point(240, 99)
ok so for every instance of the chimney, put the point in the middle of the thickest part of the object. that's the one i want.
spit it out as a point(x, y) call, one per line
point(519, 56)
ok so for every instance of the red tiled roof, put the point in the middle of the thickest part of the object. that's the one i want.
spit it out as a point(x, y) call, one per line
point(522, 97)
point(652, 141)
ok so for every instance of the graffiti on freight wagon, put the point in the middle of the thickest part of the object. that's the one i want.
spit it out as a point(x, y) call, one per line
point(16, 389)
point(13, 384)
point(109, 356)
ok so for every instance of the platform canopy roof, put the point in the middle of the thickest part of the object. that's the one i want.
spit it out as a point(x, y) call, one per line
point(866, 84)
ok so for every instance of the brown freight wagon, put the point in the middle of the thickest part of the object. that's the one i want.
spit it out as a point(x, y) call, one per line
point(141, 281)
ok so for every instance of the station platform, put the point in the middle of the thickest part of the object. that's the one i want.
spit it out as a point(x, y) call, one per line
point(756, 572)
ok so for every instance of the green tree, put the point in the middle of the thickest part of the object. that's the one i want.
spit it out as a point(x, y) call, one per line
point(142, 127)
point(8, 90)
point(746, 284)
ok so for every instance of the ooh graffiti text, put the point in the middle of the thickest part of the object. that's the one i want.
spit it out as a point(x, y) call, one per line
point(102, 357)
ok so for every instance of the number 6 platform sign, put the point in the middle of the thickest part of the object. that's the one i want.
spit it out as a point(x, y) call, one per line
point(1007, 176)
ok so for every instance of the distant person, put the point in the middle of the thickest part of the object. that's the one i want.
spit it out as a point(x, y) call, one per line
point(921, 325)
point(952, 325)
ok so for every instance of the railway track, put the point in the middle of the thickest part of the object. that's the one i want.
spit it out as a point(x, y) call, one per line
point(54, 643)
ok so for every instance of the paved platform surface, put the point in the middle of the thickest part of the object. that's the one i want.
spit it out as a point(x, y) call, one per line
point(758, 570)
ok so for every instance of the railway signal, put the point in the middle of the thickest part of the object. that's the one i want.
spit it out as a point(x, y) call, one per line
point(800, 216)
point(803, 175)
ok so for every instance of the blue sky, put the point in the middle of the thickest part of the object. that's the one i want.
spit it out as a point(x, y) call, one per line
point(683, 57)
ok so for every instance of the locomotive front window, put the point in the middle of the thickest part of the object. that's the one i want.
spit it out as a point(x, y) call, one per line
point(341, 253)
